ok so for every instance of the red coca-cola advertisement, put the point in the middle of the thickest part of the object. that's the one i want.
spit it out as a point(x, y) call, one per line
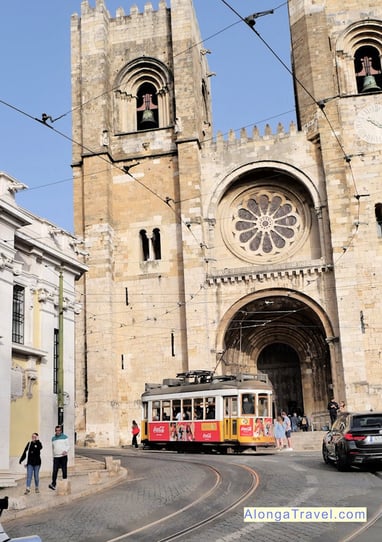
point(257, 428)
point(159, 431)
point(184, 431)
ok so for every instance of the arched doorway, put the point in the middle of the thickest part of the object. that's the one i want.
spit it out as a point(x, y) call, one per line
point(281, 363)
point(283, 334)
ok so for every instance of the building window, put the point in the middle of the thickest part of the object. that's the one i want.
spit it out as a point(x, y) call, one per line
point(147, 107)
point(378, 218)
point(266, 223)
point(143, 96)
point(156, 244)
point(367, 67)
point(55, 360)
point(145, 248)
point(18, 316)
point(150, 245)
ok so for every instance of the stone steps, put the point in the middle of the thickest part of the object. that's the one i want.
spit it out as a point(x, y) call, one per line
point(309, 441)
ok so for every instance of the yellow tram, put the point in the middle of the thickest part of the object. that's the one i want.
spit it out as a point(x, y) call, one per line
point(199, 410)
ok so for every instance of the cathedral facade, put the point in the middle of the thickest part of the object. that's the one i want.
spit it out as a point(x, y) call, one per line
point(258, 253)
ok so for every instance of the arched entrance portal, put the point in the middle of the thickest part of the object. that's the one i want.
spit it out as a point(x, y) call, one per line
point(285, 337)
point(280, 362)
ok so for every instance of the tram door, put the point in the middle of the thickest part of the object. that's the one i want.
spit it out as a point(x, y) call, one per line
point(230, 418)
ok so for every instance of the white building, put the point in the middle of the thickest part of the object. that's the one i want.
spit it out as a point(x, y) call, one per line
point(38, 270)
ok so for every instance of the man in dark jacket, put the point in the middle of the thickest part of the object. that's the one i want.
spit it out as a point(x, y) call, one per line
point(333, 409)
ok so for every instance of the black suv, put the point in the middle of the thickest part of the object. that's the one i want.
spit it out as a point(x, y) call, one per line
point(354, 440)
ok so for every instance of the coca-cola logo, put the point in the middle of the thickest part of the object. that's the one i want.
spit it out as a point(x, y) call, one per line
point(159, 430)
point(246, 430)
point(207, 436)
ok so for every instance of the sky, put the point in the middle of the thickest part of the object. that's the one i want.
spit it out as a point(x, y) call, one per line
point(35, 78)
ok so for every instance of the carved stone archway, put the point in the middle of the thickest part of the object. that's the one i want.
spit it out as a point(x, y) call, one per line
point(283, 335)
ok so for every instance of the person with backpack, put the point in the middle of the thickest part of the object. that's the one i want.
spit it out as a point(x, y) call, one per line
point(304, 424)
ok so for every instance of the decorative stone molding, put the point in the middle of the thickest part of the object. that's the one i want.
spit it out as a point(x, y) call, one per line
point(45, 295)
point(5, 261)
point(234, 276)
point(31, 377)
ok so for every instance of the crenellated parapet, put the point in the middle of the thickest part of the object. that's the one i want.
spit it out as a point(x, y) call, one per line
point(101, 7)
point(241, 137)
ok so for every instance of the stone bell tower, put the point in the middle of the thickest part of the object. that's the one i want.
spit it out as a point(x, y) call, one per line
point(141, 104)
point(337, 51)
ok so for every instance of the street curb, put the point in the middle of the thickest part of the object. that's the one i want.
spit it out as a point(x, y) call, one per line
point(58, 500)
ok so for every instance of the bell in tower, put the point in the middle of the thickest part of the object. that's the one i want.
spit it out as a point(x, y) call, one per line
point(366, 77)
point(147, 112)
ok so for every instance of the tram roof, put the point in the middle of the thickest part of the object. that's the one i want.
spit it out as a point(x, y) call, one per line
point(198, 381)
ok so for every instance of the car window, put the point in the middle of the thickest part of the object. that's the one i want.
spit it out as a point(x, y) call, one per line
point(360, 422)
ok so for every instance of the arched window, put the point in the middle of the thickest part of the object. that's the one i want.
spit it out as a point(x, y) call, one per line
point(156, 244)
point(367, 65)
point(358, 57)
point(142, 98)
point(150, 245)
point(147, 107)
point(378, 218)
point(145, 248)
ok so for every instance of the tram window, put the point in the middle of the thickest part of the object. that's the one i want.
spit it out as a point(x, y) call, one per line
point(227, 406)
point(156, 410)
point(176, 410)
point(199, 408)
point(187, 409)
point(263, 407)
point(210, 412)
point(145, 410)
point(234, 406)
point(247, 403)
point(166, 410)
point(230, 406)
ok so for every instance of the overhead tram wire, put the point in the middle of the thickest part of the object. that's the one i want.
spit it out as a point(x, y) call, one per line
point(167, 200)
point(90, 100)
point(44, 121)
point(250, 22)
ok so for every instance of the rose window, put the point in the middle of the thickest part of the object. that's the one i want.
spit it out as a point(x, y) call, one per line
point(265, 223)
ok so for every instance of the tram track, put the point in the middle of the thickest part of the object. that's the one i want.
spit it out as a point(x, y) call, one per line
point(360, 532)
point(183, 497)
point(220, 513)
point(222, 491)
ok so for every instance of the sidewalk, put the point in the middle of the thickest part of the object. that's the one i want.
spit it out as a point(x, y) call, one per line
point(86, 477)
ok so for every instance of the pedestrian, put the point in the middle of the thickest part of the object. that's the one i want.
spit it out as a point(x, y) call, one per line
point(60, 449)
point(288, 430)
point(342, 406)
point(333, 409)
point(295, 421)
point(304, 424)
point(279, 432)
point(32, 454)
point(135, 432)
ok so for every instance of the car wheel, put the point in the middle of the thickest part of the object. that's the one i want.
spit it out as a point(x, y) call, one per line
point(325, 454)
point(342, 462)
